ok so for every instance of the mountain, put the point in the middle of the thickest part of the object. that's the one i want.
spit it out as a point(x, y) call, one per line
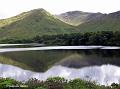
point(78, 17)
point(108, 22)
point(92, 22)
point(29, 24)
point(36, 22)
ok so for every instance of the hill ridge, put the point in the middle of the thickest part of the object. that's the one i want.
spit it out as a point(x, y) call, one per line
point(35, 22)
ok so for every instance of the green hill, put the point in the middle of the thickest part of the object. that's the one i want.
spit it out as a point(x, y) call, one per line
point(29, 24)
point(92, 22)
point(108, 22)
point(39, 22)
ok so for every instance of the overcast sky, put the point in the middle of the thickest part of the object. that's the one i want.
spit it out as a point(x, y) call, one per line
point(10, 8)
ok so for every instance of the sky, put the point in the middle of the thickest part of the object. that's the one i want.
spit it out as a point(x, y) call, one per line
point(9, 8)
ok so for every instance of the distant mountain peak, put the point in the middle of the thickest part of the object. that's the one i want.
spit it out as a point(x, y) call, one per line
point(115, 14)
point(78, 17)
point(74, 13)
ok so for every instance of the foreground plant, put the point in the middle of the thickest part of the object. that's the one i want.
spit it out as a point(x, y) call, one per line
point(53, 83)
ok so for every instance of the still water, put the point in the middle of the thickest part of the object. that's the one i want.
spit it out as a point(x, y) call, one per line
point(93, 63)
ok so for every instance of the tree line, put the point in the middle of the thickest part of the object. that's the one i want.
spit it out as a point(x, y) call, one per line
point(105, 38)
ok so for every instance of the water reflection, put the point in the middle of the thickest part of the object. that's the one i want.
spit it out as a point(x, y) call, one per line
point(104, 75)
point(96, 63)
point(69, 58)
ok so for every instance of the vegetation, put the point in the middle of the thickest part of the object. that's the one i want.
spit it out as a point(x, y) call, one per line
point(109, 38)
point(105, 38)
point(29, 24)
point(53, 83)
point(108, 22)
point(39, 26)
point(39, 23)
point(6, 82)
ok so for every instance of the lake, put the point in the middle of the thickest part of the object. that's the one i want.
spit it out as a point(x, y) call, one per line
point(93, 63)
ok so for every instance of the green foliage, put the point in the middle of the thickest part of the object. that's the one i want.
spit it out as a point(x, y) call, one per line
point(89, 38)
point(26, 27)
point(115, 86)
point(105, 38)
point(35, 84)
point(58, 83)
point(40, 88)
point(109, 38)
point(6, 82)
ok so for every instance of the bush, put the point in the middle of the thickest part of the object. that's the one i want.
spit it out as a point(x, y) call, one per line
point(56, 83)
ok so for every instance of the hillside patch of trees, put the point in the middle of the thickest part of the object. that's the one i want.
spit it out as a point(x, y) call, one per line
point(105, 38)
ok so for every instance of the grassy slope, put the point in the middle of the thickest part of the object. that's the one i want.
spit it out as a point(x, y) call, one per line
point(106, 23)
point(39, 22)
point(8, 21)
point(92, 22)
point(32, 23)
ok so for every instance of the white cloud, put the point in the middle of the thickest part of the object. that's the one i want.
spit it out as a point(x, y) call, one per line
point(13, 7)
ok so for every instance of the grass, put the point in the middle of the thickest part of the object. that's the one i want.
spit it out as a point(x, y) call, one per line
point(39, 22)
point(107, 23)
point(29, 24)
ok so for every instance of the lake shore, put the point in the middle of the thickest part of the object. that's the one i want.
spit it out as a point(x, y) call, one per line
point(53, 48)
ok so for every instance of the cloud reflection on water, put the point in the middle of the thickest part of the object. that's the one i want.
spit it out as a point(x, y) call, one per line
point(105, 74)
